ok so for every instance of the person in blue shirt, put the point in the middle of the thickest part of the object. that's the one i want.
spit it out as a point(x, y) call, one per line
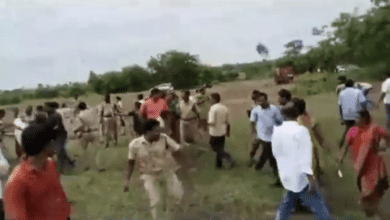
point(263, 119)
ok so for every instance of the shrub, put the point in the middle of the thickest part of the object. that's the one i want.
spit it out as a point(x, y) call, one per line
point(313, 84)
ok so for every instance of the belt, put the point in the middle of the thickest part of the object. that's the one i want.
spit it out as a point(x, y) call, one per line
point(190, 119)
point(108, 116)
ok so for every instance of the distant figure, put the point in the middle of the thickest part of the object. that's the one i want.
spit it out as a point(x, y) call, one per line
point(89, 129)
point(188, 118)
point(203, 103)
point(219, 129)
point(174, 115)
point(141, 98)
point(119, 110)
point(34, 189)
point(137, 119)
point(385, 97)
point(20, 125)
point(109, 121)
point(152, 107)
point(292, 148)
point(351, 101)
point(363, 141)
point(61, 138)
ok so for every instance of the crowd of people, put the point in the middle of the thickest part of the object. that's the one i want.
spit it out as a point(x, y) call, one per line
point(165, 125)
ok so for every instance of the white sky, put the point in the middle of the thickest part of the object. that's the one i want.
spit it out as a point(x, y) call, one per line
point(57, 41)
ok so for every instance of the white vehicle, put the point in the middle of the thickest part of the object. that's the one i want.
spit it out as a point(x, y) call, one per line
point(164, 87)
point(342, 69)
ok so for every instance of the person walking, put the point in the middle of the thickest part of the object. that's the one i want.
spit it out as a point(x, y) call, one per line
point(263, 119)
point(363, 141)
point(188, 118)
point(88, 130)
point(351, 101)
point(158, 158)
point(34, 190)
point(108, 118)
point(120, 121)
point(174, 109)
point(152, 107)
point(203, 104)
point(219, 129)
point(63, 158)
point(292, 148)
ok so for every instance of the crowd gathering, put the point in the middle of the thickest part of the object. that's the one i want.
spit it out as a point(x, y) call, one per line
point(166, 125)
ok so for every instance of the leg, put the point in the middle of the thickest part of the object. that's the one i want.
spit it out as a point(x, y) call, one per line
point(387, 107)
point(264, 156)
point(252, 154)
point(215, 145)
point(316, 204)
point(115, 131)
point(348, 125)
point(287, 207)
point(176, 191)
point(152, 188)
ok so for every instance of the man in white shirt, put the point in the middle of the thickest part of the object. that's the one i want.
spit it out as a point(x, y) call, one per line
point(158, 158)
point(385, 97)
point(263, 119)
point(219, 129)
point(351, 100)
point(20, 125)
point(292, 148)
point(188, 119)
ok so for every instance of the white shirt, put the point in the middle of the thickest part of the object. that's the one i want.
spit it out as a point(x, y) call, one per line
point(186, 109)
point(18, 133)
point(292, 149)
point(88, 118)
point(350, 101)
point(386, 89)
point(152, 156)
point(219, 117)
point(265, 120)
point(162, 123)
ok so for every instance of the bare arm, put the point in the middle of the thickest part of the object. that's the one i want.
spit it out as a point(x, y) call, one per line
point(129, 173)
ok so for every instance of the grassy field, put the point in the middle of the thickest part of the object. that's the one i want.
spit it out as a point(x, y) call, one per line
point(241, 192)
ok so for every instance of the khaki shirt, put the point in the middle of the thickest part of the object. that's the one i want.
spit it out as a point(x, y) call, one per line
point(154, 157)
point(186, 109)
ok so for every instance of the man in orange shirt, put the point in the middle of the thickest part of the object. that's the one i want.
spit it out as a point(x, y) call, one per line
point(153, 106)
point(34, 190)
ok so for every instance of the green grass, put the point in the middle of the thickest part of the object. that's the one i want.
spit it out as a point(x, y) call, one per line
point(239, 192)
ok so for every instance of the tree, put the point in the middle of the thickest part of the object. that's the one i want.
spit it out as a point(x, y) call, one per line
point(93, 77)
point(136, 78)
point(262, 50)
point(293, 48)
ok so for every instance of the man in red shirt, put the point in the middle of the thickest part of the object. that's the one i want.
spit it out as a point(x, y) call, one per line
point(34, 190)
point(153, 106)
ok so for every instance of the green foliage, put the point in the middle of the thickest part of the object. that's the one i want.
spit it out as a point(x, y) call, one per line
point(46, 93)
point(313, 84)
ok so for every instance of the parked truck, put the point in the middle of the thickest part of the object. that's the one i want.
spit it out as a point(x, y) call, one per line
point(284, 74)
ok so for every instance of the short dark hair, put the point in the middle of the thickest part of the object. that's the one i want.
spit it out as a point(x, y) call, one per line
point(118, 98)
point(262, 94)
point(149, 124)
point(40, 117)
point(284, 93)
point(186, 92)
point(365, 114)
point(388, 73)
point(82, 106)
point(140, 96)
point(255, 92)
point(216, 97)
point(39, 108)
point(164, 114)
point(299, 104)
point(2, 112)
point(154, 91)
point(107, 98)
point(349, 83)
point(63, 105)
point(138, 105)
point(290, 112)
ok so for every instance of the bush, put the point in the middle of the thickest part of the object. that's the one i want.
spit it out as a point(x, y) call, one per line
point(370, 73)
point(313, 84)
point(6, 100)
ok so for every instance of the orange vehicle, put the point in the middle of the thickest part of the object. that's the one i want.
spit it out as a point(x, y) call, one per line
point(284, 74)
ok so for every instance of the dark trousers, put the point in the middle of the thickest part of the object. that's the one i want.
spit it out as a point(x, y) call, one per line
point(266, 155)
point(387, 107)
point(218, 145)
point(2, 213)
point(348, 125)
point(62, 156)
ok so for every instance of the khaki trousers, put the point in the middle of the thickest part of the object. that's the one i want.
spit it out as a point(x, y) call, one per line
point(152, 187)
point(188, 129)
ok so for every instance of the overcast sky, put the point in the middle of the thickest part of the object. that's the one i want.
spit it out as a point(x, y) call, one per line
point(57, 41)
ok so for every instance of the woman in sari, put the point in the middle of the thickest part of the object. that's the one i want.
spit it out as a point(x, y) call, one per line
point(369, 165)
